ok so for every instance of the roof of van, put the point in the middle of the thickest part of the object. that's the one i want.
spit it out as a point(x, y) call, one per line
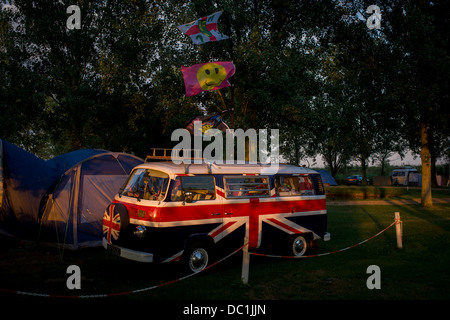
point(208, 168)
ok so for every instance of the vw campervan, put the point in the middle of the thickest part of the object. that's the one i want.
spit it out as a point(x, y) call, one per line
point(168, 212)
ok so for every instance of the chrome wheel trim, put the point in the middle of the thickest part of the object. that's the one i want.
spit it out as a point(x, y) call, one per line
point(198, 260)
point(299, 246)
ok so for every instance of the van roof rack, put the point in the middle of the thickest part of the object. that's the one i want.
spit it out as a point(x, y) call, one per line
point(172, 154)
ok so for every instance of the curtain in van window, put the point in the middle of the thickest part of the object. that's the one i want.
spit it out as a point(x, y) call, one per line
point(294, 185)
point(202, 188)
point(246, 187)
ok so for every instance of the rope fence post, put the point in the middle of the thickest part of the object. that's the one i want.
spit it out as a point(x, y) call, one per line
point(398, 230)
point(245, 262)
point(245, 265)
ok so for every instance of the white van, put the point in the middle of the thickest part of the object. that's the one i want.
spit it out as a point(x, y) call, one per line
point(403, 176)
point(168, 212)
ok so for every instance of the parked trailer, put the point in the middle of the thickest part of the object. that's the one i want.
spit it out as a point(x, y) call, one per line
point(404, 176)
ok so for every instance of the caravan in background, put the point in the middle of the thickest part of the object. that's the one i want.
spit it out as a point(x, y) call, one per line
point(405, 176)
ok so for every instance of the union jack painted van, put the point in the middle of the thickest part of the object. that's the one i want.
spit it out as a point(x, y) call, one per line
point(168, 212)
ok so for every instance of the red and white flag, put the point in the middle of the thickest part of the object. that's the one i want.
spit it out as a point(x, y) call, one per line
point(207, 76)
point(204, 29)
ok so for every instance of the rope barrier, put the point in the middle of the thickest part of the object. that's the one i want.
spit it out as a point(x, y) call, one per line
point(397, 222)
point(327, 253)
point(120, 293)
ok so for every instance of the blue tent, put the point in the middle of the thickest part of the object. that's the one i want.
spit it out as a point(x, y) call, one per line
point(327, 178)
point(65, 161)
point(24, 180)
point(60, 201)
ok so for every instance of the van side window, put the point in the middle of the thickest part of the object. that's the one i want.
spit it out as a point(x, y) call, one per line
point(202, 187)
point(301, 185)
point(246, 186)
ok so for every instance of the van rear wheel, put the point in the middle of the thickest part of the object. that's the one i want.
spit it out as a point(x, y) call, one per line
point(196, 258)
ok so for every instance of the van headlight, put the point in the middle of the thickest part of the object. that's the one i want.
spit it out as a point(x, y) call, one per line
point(140, 232)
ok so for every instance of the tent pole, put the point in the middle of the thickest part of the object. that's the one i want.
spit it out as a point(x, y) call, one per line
point(74, 206)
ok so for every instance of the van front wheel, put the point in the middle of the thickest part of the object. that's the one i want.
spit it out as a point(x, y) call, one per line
point(301, 246)
point(196, 258)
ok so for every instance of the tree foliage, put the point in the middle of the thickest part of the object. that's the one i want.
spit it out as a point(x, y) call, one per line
point(312, 69)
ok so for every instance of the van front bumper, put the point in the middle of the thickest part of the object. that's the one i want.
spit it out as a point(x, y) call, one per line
point(128, 253)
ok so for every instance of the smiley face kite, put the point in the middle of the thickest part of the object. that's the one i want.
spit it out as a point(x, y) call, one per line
point(207, 76)
point(211, 75)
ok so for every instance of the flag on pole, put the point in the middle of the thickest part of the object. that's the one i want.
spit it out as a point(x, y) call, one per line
point(208, 122)
point(204, 29)
point(207, 76)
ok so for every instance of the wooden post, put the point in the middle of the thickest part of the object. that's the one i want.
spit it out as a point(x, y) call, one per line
point(398, 230)
point(245, 262)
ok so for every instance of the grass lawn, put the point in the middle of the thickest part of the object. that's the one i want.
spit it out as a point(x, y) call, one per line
point(418, 271)
point(380, 192)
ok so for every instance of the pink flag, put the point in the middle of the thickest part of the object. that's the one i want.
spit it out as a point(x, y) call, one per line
point(207, 76)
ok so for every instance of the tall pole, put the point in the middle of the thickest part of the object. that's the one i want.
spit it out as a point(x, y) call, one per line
point(245, 262)
point(231, 52)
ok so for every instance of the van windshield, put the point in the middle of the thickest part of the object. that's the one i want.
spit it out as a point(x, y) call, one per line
point(146, 184)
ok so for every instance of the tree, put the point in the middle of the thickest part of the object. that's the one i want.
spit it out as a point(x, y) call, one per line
point(21, 97)
point(418, 76)
point(92, 83)
point(311, 69)
point(271, 44)
point(333, 131)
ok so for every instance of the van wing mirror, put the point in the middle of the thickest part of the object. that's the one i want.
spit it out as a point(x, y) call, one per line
point(188, 196)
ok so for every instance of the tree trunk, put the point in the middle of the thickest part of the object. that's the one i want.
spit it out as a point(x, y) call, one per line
point(383, 163)
point(432, 147)
point(363, 171)
point(425, 155)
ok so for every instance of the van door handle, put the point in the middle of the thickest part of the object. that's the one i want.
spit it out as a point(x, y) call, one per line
point(215, 214)
point(228, 213)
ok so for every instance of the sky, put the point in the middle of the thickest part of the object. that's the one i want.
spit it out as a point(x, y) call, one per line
point(395, 160)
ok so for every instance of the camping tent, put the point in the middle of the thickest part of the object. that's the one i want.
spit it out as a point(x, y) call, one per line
point(72, 211)
point(24, 180)
point(60, 201)
point(327, 178)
